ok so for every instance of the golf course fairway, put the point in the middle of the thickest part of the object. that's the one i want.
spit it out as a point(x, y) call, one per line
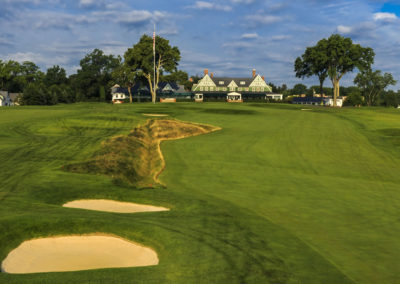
point(276, 195)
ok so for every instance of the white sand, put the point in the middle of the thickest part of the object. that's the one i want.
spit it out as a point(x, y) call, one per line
point(112, 206)
point(72, 253)
point(154, 114)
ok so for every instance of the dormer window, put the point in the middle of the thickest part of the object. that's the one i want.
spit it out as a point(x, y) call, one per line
point(221, 82)
point(242, 83)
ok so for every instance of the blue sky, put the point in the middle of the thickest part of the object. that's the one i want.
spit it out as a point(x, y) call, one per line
point(229, 37)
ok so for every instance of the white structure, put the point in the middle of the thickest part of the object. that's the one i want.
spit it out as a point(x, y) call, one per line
point(275, 97)
point(117, 95)
point(234, 98)
point(198, 98)
point(329, 102)
point(235, 89)
point(5, 99)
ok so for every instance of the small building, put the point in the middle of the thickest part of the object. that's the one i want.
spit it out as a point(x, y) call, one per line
point(234, 97)
point(275, 97)
point(119, 94)
point(318, 101)
point(5, 99)
point(198, 98)
point(231, 89)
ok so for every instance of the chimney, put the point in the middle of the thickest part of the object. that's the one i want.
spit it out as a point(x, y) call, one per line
point(212, 75)
point(205, 72)
point(263, 77)
point(254, 73)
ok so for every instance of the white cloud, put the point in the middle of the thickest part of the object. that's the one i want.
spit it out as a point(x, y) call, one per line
point(249, 36)
point(384, 17)
point(91, 3)
point(203, 5)
point(263, 19)
point(344, 29)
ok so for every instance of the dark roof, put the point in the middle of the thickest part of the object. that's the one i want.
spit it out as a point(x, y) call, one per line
point(228, 80)
point(307, 100)
point(145, 88)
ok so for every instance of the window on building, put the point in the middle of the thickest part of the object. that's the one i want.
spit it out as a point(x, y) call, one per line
point(201, 89)
point(221, 82)
point(205, 88)
point(242, 83)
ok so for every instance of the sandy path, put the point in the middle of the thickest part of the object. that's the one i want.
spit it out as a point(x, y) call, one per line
point(112, 206)
point(154, 114)
point(72, 253)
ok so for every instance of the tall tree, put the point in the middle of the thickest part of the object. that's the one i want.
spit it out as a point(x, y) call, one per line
point(299, 89)
point(343, 56)
point(313, 62)
point(372, 84)
point(55, 75)
point(124, 76)
point(140, 58)
point(96, 69)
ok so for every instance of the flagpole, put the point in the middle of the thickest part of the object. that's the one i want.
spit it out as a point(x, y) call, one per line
point(154, 62)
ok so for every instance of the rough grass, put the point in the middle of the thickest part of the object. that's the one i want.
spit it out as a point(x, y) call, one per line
point(136, 158)
point(278, 195)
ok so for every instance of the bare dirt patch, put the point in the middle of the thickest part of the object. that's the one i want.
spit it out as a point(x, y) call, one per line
point(113, 206)
point(136, 158)
point(72, 253)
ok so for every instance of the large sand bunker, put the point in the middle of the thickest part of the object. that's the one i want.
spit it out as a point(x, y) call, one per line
point(112, 206)
point(72, 253)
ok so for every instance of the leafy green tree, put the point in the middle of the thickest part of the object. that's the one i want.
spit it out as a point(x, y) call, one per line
point(36, 93)
point(372, 84)
point(14, 77)
point(299, 89)
point(96, 69)
point(390, 98)
point(140, 58)
point(314, 61)
point(343, 57)
point(179, 76)
point(354, 98)
point(55, 75)
point(125, 76)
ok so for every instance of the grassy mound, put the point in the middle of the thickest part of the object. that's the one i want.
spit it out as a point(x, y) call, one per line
point(136, 158)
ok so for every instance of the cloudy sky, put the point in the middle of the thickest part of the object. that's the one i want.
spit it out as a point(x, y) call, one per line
point(229, 37)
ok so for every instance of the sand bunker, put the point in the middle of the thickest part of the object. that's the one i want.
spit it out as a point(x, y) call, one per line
point(154, 114)
point(113, 206)
point(74, 253)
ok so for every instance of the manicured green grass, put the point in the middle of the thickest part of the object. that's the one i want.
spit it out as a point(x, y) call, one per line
point(279, 195)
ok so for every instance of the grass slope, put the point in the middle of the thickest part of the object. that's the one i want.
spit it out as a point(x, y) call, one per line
point(279, 195)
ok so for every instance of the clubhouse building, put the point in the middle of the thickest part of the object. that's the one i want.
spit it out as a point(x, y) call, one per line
point(232, 89)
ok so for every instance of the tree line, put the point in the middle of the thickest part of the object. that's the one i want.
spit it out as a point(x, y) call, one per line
point(337, 56)
point(98, 72)
point(330, 58)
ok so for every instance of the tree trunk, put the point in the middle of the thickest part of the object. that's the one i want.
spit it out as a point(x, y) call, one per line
point(321, 89)
point(336, 91)
point(130, 94)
